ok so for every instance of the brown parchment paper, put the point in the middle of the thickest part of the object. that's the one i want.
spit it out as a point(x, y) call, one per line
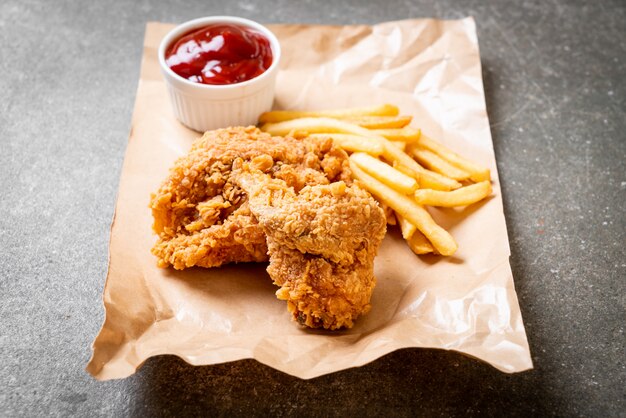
point(467, 303)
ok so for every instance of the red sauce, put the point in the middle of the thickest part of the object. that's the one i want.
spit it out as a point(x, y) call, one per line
point(220, 54)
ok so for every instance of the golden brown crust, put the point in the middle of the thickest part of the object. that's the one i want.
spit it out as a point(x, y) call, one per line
point(240, 193)
point(322, 242)
point(201, 215)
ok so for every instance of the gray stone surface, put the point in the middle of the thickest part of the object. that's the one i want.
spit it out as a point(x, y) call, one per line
point(555, 79)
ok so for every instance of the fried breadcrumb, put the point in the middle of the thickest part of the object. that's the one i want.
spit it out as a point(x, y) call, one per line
point(202, 217)
point(322, 241)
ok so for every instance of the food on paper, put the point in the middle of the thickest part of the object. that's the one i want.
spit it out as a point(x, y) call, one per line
point(240, 195)
point(244, 195)
point(220, 315)
point(322, 241)
point(220, 53)
point(392, 160)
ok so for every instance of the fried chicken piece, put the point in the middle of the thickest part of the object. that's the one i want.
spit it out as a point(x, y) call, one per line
point(240, 193)
point(322, 241)
point(202, 216)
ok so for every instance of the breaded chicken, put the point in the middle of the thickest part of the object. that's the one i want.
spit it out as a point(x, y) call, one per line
point(202, 217)
point(322, 240)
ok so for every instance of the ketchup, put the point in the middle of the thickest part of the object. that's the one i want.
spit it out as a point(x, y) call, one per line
point(220, 54)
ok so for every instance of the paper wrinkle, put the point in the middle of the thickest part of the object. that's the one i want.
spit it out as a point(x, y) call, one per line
point(431, 70)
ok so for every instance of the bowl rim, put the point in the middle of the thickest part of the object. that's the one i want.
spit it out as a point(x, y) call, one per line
point(202, 21)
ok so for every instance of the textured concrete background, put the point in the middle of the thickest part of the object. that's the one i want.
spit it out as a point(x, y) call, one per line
point(555, 76)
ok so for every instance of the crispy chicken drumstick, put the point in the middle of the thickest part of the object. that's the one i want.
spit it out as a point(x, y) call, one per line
point(322, 241)
point(241, 195)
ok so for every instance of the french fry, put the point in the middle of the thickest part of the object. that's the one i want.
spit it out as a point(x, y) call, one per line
point(354, 143)
point(318, 125)
point(283, 115)
point(398, 144)
point(407, 228)
point(380, 122)
point(419, 244)
point(390, 215)
point(434, 162)
point(299, 134)
point(423, 181)
point(459, 197)
point(477, 173)
point(406, 134)
point(405, 170)
point(384, 172)
point(408, 208)
point(426, 178)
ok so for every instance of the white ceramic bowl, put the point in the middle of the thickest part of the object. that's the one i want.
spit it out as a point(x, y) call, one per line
point(204, 107)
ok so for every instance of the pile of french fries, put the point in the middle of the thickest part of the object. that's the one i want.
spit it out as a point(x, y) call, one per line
point(401, 167)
